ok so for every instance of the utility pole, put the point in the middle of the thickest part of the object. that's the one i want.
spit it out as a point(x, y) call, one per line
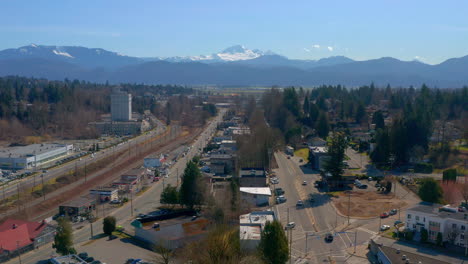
point(290, 245)
point(85, 172)
point(42, 183)
point(91, 226)
point(177, 171)
point(355, 239)
point(17, 250)
point(34, 183)
point(17, 189)
point(349, 204)
point(131, 203)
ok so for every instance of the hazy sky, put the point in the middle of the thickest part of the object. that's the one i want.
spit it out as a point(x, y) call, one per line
point(429, 30)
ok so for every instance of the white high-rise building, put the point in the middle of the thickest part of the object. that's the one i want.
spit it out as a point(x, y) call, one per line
point(121, 106)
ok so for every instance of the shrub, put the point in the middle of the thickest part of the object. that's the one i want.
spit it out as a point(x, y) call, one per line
point(423, 168)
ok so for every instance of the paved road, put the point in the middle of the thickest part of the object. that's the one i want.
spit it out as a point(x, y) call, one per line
point(314, 220)
point(144, 203)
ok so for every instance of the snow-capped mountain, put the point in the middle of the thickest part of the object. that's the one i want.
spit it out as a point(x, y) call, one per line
point(234, 53)
point(84, 57)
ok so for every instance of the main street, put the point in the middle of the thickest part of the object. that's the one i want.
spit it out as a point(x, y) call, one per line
point(315, 219)
point(146, 202)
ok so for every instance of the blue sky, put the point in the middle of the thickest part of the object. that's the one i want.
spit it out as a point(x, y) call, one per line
point(430, 30)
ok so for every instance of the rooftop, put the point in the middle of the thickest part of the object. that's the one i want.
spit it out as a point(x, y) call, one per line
point(135, 171)
point(250, 232)
point(256, 190)
point(257, 218)
point(15, 233)
point(318, 149)
point(252, 172)
point(179, 226)
point(397, 257)
point(437, 210)
point(29, 150)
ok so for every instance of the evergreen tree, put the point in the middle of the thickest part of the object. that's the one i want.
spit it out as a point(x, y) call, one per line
point(170, 195)
point(322, 126)
point(273, 245)
point(378, 120)
point(191, 190)
point(430, 191)
point(63, 240)
point(336, 149)
point(306, 106)
point(108, 225)
point(360, 113)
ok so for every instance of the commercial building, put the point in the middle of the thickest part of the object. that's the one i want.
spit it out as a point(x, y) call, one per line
point(123, 128)
point(318, 156)
point(437, 218)
point(131, 181)
point(390, 255)
point(121, 106)
point(35, 155)
point(252, 177)
point(78, 207)
point(171, 231)
point(251, 227)
point(19, 236)
point(104, 194)
point(221, 164)
point(152, 162)
point(255, 196)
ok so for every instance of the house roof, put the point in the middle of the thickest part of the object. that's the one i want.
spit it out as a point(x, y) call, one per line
point(15, 233)
point(256, 190)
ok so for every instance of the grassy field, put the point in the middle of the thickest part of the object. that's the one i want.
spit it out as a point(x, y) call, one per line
point(303, 153)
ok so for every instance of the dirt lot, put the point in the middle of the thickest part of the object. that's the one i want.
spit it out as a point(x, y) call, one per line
point(365, 204)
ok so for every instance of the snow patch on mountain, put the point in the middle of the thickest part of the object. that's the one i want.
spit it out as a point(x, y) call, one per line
point(62, 53)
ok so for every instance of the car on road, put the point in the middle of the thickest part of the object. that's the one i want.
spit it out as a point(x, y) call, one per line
point(304, 183)
point(290, 225)
point(281, 199)
point(279, 191)
point(300, 203)
point(384, 215)
point(384, 227)
point(289, 157)
point(362, 186)
point(329, 237)
point(393, 212)
point(115, 201)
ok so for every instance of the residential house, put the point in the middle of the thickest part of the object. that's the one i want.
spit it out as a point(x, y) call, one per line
point(221, 164)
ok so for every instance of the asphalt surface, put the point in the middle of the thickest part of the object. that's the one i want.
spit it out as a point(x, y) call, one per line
point(144, 203)
point(314, 220)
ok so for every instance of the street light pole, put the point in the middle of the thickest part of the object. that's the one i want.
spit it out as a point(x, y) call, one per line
point(349, 204)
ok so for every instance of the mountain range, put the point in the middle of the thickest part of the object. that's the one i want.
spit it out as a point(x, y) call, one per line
point(234, 66)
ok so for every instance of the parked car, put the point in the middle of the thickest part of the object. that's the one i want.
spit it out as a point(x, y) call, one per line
point(281, 199)
point(384, 227)
point(289, 157)
point(300, 203)
point(311, 197)
point(279, 191)
point(115, 201)
point(290, 225)
point(369, 179)
point(397, 222)
point(384, 215)
point(304, 183)
point(461, 209)
point(378, 185)
point(393, 212)
point(362, 186)
point(328, 237)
